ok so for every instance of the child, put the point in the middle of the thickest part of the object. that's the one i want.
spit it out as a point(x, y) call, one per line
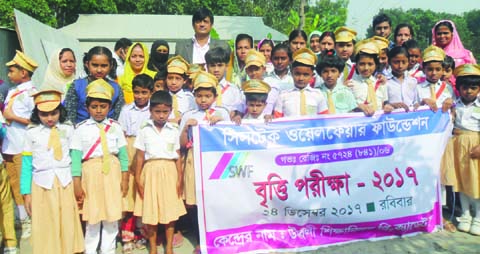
point(100, 169)
point(99, 64)
point(340, 98)
point(159, 172)
point(433, 92)
point(265, 47)
point(192, 71)
point(46, 179)
point(302, 99)
point(204, 89)
point(19, 107)
point(344, 45)
point(159, 80)
point(370, 93)
point(131, 118)
point(281, 76)
point(228, 95)
point(466, 144)
point(382, 26)
point(183, 101)
point(383, 67)
point(7, 226)
point(414, 60)
point(448, 67)
point(256, 94)
point(401, 88)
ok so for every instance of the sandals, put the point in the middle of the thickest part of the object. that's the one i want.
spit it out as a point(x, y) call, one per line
point(449, 226)
point(128, 248)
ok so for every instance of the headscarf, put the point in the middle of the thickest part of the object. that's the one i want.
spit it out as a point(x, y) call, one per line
point(125, 81)
point(316, 32)
point(455, 48)
point(54, 77)
point(158, 60)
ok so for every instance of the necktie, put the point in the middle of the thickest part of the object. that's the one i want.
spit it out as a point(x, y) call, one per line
point(219, 96)
point(371, 96)
point(303, 103)
point(433, 96)
point(345, 73)
point(54, 143)
point(175, 106)
point(106, 153)
point(331, 105)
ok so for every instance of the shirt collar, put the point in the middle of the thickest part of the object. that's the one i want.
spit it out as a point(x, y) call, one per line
point(25, 85)
point(195, 42)
point(92, 121)
point(134, 106)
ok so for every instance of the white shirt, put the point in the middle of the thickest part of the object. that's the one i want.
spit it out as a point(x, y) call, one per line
point(22, 106)
point(45, 167)
point(87, 133)
point(283, 83)
point(468, 116)
point(158, 144)
point(120, 65)
point(198, 55)
point(271, 99)
point(132, 117)
point(348, 68)
point(186, 102)
point(288, 103)
point(405, 92)
point(360, 91)
point(200, 115)
point(417, 73)
point(231, 96)
point(423, 91)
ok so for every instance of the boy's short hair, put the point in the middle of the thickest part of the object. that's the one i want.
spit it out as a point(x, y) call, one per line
point(468, 81)
point(160, 75)
point(284, 47)
point(211, 89)
point(217, 55)
point(380, 18)
point(256, 97)
point(448, 62)
point(161, 97)
point(201, 14)
point(143, 81)
point(89, 101)
point(411, 44)
point(330, 59)
point(122, 43)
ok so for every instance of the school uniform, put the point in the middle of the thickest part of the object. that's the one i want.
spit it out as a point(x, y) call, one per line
point(289, 102)
point(248, 116)
point(467, 136)
point(405, 91)
point(342, 99)
point(189, 174)
point(103, 197)
point(417, 73)
point(441, 91)
point(160, 203)
point(348, 72)
point(283, 83)
point(229, 96)
point(49, 181)
point(272, 98)
point(185, 102)
point(360, 91)
point(131, 118)
point(22, 105)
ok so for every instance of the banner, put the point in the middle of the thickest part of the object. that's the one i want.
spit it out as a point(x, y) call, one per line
point(296, 185)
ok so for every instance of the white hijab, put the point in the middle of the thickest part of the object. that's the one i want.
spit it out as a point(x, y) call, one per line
point(54, 76)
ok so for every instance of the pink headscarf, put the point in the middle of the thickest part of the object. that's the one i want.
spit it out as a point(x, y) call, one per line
point(455, 48)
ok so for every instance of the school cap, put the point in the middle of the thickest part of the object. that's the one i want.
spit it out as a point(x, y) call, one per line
point(194, 69)
point(205, 80)
point(382, 42)
point(433, 53)
point(305, 56)
point(255, 86)
point(368, 46)
point(467, 70)
point(255, 58)
point(100, 89)
point(23, 61)
point(345, 34)
point(47, 100)
point(177, 65)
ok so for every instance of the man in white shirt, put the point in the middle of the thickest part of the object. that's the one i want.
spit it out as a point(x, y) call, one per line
point(120, 52)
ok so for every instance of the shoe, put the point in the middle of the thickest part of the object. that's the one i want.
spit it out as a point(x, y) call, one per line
point(128, 248)
point(26, 228)
point(448, 226)
point(141, 244)
point(475, 228)
point(10, 250)
point(464, 223)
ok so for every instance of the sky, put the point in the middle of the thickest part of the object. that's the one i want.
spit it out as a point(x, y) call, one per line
point(361, 12)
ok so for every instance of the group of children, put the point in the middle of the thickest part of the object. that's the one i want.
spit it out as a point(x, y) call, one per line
point(122, 162)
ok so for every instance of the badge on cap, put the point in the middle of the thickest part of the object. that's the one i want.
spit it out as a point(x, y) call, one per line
point(47, 100)
point(368, 46)
point(205, 80)
point(305, 56)
point(255, 86)
point(177, 65)
point(100, 89)
point(255, 58)
point(433, 53)
point(345, 34)
point(23, 61)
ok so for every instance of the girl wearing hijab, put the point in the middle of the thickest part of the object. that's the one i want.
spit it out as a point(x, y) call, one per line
point(60, 71)
point(158, 55)
point(136, 63)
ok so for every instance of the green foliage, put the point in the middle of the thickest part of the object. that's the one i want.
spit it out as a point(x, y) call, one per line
point(422, 22)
